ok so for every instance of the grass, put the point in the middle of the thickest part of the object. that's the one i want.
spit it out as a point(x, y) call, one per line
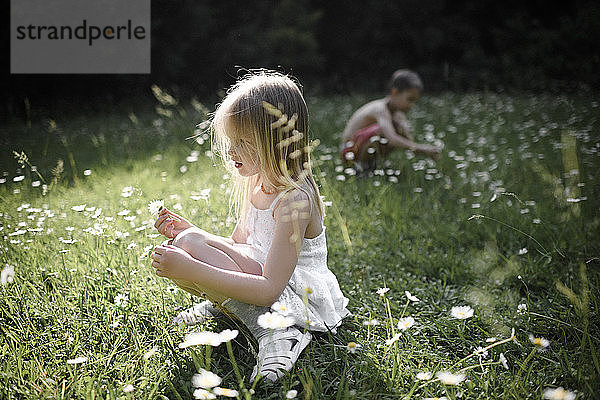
point(525, 166)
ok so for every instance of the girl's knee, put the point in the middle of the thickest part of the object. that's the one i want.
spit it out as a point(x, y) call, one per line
point(190, 239)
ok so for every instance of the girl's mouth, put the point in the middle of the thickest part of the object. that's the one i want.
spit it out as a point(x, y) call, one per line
point(238, 164)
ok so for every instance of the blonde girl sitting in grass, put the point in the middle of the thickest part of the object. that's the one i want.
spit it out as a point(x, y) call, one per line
point(277, 252)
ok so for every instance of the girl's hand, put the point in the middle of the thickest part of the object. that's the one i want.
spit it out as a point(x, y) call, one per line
point(170, 224)
point(172, 262)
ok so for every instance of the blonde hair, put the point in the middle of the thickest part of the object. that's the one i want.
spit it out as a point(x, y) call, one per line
point(268, 110)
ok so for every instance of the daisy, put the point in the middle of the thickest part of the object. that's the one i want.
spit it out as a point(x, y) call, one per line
point(405, 323)
point(559, 394)
point(78, 360)
point(203, 394)
point(128, 388)
point(78, 208)
point(127, 191)
point(424, 376)
point(219, 391)
point(504, 361)
point(274, 320)
point(461, 312)
point(352, 347)
point(7, 275)
point(204, 337)
point(448, 378)
point(280, 308)
point(155, 206)
point(206, 379)
point(539, 342)
point(121, 300)
point(393, 340)
point(412, 298)
point(291, 394)
point(382, 291)
point(228, 335)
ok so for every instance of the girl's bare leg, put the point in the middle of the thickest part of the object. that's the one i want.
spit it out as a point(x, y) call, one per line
point(213, 250)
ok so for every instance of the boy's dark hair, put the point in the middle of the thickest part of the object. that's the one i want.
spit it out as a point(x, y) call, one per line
point(404, 79)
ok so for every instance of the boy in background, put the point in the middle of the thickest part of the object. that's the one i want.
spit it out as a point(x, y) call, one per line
point(381, 125)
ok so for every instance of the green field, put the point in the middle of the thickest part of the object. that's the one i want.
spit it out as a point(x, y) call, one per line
point(506, 222)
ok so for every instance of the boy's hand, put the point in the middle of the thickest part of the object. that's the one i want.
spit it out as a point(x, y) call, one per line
point(170, 224)
point(431, 151)
point(172, 262)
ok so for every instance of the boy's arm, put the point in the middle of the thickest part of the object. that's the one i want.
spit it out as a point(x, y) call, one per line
point(388, 130)
point(401, 124)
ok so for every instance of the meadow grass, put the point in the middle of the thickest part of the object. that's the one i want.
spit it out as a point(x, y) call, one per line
point(506, 222)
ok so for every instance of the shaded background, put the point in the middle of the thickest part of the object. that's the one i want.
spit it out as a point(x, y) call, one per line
point(338, 46)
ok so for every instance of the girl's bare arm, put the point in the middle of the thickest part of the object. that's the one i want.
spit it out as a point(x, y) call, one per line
point(262, 290)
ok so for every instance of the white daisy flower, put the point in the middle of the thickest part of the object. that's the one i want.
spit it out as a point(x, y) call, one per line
point(77, 360)
point(206, 379)
point(291, 394)
point(121, 300)
point(198, 338)
point(127, 191)
point(78, 208)
point(448, 378)
point(7, 275)
point(203, 394)
point(539, 342)
point(424, 376)
point(461, 312)
point(352, 347)
point(412, 298)
point(503, 360)
point(155, 206)
point(393, 340)
point(219, 391)
point(559, 394)
point(228, 335)
point(280, 308)
point(405, 323)
point(274, 320)
point(382, 291)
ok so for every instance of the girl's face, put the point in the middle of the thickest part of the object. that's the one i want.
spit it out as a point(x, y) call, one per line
point(243, 155)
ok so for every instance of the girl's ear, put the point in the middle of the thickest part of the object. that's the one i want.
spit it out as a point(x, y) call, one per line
point(394, 91)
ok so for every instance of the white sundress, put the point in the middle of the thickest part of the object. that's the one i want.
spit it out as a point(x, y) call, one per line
point(311, 280)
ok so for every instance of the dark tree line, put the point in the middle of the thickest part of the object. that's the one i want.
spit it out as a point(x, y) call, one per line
point(343, 46)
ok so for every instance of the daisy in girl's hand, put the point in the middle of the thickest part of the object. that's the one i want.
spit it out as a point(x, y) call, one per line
point(169, 223)
point(155, 206)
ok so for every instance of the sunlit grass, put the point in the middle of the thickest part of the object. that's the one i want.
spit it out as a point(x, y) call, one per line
point(84, 311)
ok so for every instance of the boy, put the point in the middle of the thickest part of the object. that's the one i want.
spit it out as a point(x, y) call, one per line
point(381, 125)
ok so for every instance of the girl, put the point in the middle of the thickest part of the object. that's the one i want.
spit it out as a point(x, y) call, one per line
point(277, 252)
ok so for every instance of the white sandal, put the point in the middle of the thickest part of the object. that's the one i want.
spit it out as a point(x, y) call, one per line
point(278, 352)
point(197, 314)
